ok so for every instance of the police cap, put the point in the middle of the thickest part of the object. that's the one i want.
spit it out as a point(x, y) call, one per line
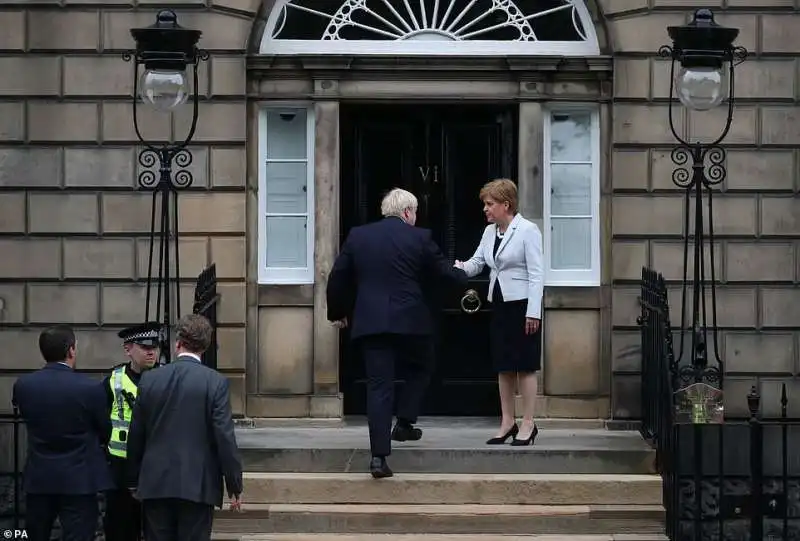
point(146, 334)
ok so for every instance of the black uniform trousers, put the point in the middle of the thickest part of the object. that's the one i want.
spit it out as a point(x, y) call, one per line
point(172, 519)
point(123, 519)
point(77, 514)
point(381, 353)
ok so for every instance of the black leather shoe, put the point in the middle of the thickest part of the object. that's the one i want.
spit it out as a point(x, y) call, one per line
point(403, 432)
point(379, 468)
point(512, 432)
point(528, 441)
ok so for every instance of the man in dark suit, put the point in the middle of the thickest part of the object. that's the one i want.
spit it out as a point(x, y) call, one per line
point(378, 281)
point(182, 443)
point(67, 425)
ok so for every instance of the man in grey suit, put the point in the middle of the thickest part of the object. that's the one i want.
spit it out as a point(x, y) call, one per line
point(181, 442)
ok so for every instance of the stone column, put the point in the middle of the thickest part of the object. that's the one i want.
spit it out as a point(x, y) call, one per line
point(530, 161)
point(325, 401)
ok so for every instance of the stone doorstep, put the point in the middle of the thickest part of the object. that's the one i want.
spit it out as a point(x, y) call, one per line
point(433, 537)
point(433, 488)
point(499, 519)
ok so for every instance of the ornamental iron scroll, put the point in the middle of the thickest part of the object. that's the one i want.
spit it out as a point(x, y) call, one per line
point(431, 27)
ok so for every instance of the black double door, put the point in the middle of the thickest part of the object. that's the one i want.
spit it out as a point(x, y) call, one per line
point(444, 155)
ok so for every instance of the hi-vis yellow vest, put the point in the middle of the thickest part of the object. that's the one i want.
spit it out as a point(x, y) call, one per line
point(120, 411)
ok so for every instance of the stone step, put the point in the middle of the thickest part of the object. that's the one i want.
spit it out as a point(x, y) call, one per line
point(436, 488)
point(434, 537)
point(445, 449)
point(442, 519)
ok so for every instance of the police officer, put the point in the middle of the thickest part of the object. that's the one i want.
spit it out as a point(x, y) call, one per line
point(123, 517)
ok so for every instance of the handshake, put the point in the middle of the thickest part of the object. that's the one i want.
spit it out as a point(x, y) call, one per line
point(459, 264)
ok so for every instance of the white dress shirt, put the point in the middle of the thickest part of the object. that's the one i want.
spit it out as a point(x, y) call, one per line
point(518, 263)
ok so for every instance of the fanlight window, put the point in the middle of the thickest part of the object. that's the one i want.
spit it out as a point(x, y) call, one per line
point(432, 27)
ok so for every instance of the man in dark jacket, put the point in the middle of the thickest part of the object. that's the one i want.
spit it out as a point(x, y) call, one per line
point(182, 443)
point(378, 281)
point(67, 428)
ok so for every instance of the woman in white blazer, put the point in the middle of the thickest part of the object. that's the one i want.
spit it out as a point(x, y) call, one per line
point(511, 247)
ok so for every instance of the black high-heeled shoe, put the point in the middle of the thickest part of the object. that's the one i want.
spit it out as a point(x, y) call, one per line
point(528, 441)
point(512, 432)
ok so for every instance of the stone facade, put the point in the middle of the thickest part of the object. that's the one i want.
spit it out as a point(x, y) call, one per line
point(73, 227)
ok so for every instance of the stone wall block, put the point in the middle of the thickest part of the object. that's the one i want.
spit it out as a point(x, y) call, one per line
point(640, 124)
point(628, 258)
point(97, 76)
point(13, 35)
point(59, 29)
point(12, 121)
point(20, 349)
point(733, 215)
point(572, 353)
point(125, 304)
point(780, 125)
point(779, 33)
point(667, 258)
point(747, 25)
point(780, 216)
point(99, 349)
point(99, 167)
point(771, 391)
point(212, 213)
point(117, 124)
point(230, 256)
point(228, 76)
point(12, 304)
point(285, 350)
point(760, 261)
point(647, 215)
point(63, 303)
point(780, 306)
point(630, 170)
point(215, 122)
point(50, 121)
point(228, 167)
point(233, 303)
point(708, 125)
point(765, 353)
point(27, 167)
point(61, 213)
point(12, 212)
point(193, 252)
point(662, 169)
point(626, 351)
point(98, 258)
point(736, 306)
point(761, 170)
point(30, 258)
point(30, 76)
point(766, 79)
point(643, 34)
point(232, 352)
point(128, 212)
point(625, 306)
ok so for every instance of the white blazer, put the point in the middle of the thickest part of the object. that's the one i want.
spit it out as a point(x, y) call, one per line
point(518, 264)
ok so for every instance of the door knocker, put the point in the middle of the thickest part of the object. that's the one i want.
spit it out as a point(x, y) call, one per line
point(471, 302)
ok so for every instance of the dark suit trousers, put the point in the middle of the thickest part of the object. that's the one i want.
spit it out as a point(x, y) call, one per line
point(177, 520)
point(77, 515)
point(123, 520)
point(381, 354)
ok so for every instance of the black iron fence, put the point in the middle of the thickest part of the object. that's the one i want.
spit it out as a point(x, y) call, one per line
point(205, 304)
point(11, 501)
point(731, 480)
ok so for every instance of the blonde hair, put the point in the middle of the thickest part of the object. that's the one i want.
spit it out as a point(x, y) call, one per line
point(501, 190)
point(396, 201)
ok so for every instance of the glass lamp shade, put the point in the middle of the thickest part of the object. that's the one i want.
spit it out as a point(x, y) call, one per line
point(164, 90)
point(700, 88)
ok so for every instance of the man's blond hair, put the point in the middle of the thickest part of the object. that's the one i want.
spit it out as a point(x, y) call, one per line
point(396, 201)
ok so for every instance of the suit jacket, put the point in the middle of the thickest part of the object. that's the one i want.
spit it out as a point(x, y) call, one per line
point(518, 264)
point(182, 442)
point(380, 277)
point(68, 428)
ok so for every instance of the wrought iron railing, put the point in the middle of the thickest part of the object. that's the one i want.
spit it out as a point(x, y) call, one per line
point(729, 479)
point(11, 471)
point(206, 298)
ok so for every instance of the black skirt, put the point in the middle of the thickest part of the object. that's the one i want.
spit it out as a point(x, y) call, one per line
point(512, 349)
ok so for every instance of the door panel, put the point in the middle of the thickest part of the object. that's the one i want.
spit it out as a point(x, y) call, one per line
point(443, 154)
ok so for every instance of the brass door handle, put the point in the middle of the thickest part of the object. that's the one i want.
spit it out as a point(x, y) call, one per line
point(471, 302)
